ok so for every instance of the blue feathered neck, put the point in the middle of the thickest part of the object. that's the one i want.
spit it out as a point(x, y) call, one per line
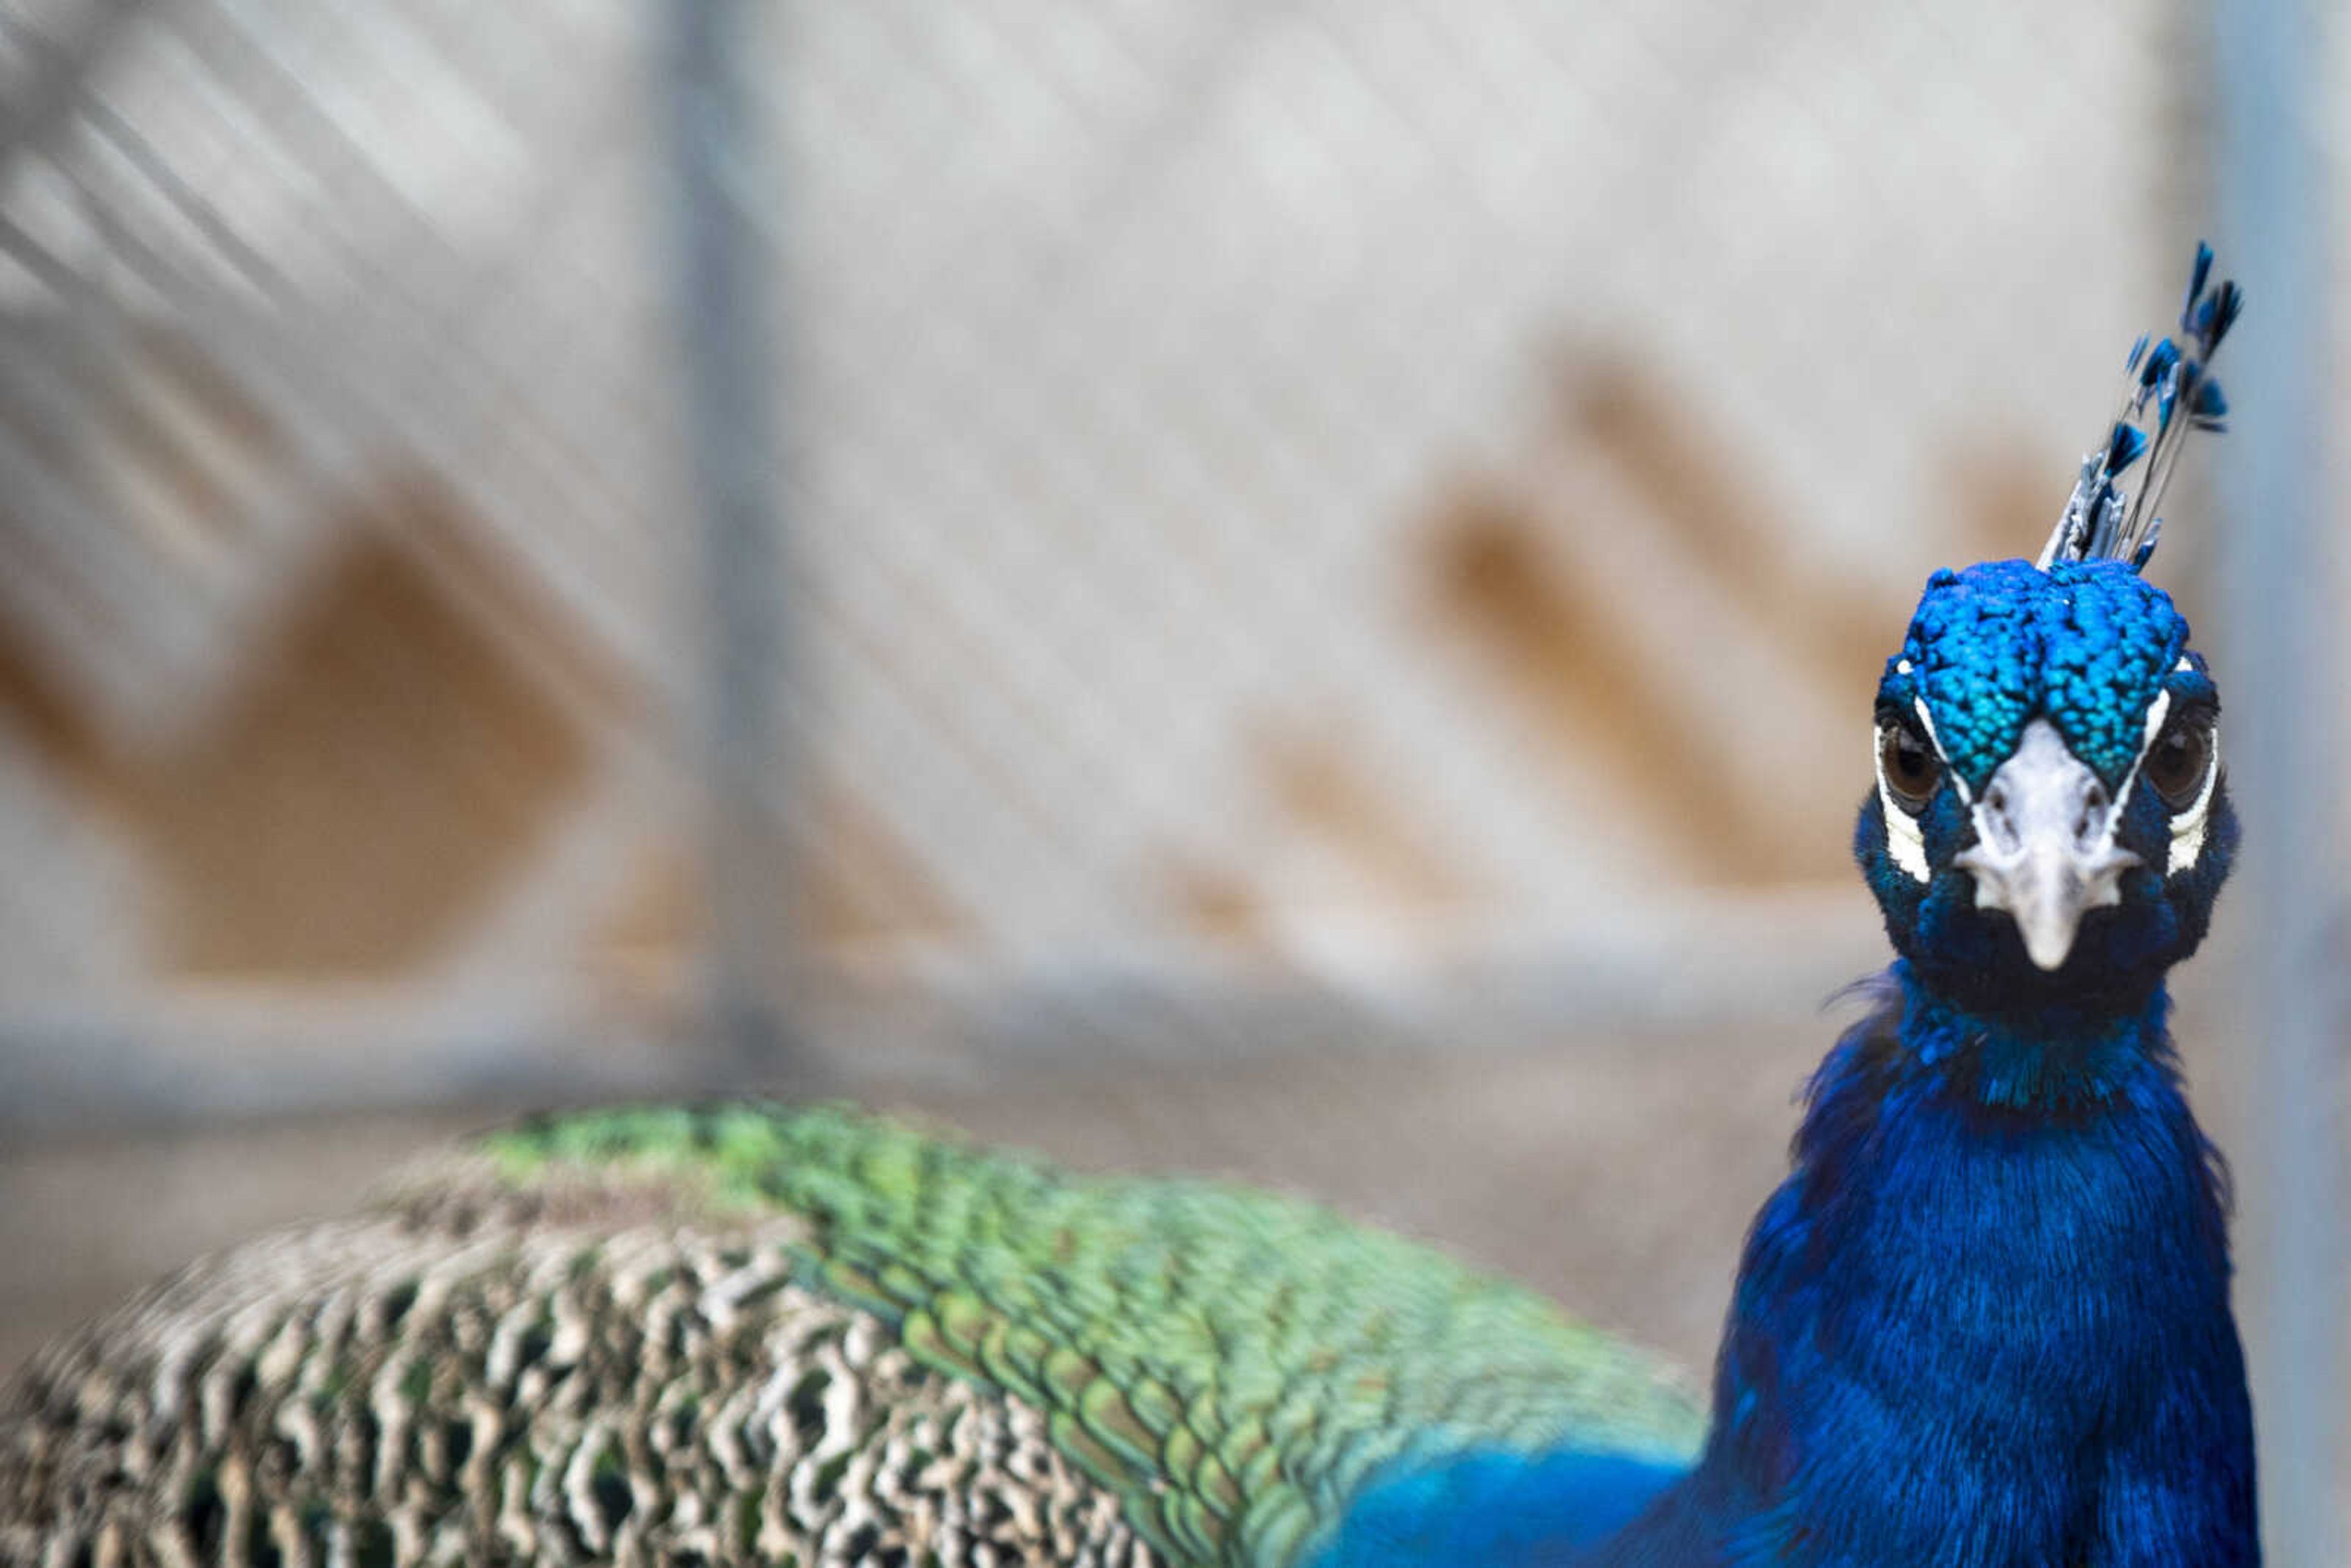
point(2058, 1057)
point(1984, 1323)
point(1985, 1320)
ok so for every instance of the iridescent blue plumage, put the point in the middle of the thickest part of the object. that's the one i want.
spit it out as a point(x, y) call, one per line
point(2085, 642)
point(1985, 1320)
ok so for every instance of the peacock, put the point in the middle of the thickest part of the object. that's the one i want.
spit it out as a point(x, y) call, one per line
point(1984, 1320)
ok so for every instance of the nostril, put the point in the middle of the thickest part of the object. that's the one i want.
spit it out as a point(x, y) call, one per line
point(2094, 811)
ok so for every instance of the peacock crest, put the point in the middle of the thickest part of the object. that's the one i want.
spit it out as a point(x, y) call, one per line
point(2168, 391)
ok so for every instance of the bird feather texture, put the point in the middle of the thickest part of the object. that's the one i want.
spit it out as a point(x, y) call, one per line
point(637, 1292)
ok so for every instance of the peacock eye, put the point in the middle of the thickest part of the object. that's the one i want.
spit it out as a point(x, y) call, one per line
point(1909, 765)
point(2181, 758)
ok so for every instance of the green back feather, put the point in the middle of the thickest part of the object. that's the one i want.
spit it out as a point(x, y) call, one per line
point(1234, 1365)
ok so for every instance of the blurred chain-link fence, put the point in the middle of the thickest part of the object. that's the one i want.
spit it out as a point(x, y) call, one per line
point(1304, 524)
point(1276, 489)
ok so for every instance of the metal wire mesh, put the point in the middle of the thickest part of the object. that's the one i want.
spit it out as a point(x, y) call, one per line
point(1332, 487)
point(1310, 522)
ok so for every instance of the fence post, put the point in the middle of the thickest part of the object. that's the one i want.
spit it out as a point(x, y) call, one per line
point(721, 180)
point(2272, 200)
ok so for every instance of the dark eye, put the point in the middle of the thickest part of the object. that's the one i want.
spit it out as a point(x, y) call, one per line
point(1912, 769)
point(2182, 754)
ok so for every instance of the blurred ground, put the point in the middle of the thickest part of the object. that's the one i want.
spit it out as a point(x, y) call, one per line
point(1546, 1163)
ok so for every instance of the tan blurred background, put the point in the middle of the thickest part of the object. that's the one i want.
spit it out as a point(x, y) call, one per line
point(1333, 561)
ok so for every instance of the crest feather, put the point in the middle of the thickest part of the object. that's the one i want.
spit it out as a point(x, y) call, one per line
point(2168, 391)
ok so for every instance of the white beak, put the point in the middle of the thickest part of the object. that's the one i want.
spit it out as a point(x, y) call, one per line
point(2044, 848)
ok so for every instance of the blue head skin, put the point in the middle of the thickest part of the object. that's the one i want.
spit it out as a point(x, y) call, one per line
point(2051, 825)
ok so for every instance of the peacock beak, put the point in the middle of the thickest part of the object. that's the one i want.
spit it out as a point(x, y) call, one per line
point(2044, 848)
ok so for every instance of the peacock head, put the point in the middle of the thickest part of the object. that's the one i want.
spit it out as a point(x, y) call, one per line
point(2050, 821)
point(2051, 814)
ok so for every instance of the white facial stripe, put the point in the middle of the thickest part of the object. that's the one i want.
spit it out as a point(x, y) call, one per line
point(2185, 665)
point(1927, 720)
point(1906, 841)
point(2156, 712)
point(2188, 829)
